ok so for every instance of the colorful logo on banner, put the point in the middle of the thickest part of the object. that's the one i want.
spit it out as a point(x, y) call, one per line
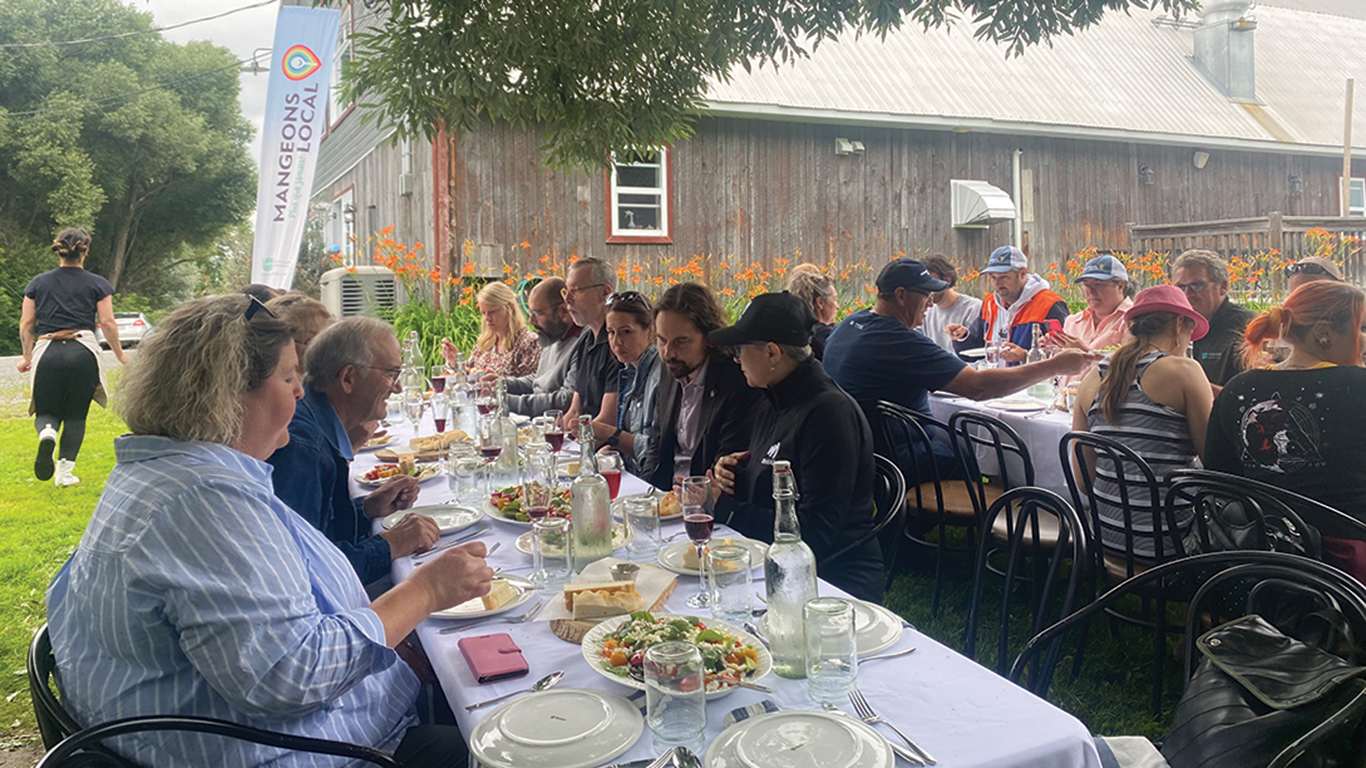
point(300, 62)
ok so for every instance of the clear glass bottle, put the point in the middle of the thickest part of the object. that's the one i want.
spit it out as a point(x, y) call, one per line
point(789, 578)
point(1036, 353)
point(506, 469)
point(590, 510)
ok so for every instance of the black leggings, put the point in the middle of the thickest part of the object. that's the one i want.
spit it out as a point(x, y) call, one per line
point(63, 387)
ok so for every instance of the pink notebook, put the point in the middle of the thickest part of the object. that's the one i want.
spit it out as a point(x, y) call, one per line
point(493, 657)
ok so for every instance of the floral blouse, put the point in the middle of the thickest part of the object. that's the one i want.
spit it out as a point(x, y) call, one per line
point(522, 360)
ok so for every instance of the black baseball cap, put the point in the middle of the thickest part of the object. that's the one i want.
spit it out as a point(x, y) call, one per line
point(777, 317)
point(909, 274)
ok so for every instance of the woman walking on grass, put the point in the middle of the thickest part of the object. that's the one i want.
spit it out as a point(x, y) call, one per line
point(57, 329)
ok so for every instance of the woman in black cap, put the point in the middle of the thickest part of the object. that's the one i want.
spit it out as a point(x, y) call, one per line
point(806, 419)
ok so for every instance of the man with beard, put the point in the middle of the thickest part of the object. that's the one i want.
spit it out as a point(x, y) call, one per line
point(705, 408)
point(1020, 302)
point(552, 387)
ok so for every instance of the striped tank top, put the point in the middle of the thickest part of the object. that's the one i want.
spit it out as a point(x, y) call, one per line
point(1160, 435)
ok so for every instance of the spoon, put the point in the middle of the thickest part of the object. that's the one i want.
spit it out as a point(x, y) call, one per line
point(685, 758)
point(547, 682)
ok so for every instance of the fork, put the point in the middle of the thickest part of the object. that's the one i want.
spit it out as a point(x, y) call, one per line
point(867, 715)
point(902, 752)
point(528, 616)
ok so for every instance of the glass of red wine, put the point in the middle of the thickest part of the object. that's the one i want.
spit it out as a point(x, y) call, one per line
point(538, 483)
point(554, 433)
point(490, 448)
point(609, 466)
point(698, 523)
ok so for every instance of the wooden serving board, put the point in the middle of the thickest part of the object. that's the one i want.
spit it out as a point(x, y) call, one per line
point(573, 631)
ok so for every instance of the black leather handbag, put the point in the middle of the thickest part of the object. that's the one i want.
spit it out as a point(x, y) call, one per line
point(1257, 694)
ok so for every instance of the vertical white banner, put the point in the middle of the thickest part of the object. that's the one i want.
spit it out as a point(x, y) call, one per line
point(296, 114)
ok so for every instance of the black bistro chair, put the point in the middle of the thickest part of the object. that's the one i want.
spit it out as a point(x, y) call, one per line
point(889, 500)
point(975, 432)
point(69, 744)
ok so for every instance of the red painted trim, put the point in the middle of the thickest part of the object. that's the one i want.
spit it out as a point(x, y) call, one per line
point(332, 125)
point(668, 237)
point(441, 204)
point(343, 191)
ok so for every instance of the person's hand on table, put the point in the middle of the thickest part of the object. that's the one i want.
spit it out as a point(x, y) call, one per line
point(397, 493)
point(723, 474)
point(414, 533)
point(1013, 353)
point(1061, 340)
point(956, 332)
point(454, 576)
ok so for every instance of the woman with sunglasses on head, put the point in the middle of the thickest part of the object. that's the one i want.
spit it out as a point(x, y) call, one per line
point(1310, 269)
point(57, 329)
point(626, 421)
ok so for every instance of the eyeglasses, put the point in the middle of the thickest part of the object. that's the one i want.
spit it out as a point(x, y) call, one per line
point(256, 306)
point(571, 291)
point(394, 373)
point(628, 297)
point(1196, 287)
point(1306, 269)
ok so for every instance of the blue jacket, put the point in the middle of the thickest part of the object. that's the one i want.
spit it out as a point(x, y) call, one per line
point(311, 476)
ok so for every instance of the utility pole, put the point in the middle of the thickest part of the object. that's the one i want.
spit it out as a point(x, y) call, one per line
point(1346, 195)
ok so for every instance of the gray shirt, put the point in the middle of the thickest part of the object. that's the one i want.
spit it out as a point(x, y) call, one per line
point(552, 386)
point(937, 318)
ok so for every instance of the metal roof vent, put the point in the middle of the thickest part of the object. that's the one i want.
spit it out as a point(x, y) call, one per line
point(1224, 49)
point(976, 204)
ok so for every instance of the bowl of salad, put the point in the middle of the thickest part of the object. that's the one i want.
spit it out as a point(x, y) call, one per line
point(616, 646)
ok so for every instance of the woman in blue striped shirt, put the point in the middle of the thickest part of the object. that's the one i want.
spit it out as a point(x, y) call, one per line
point(194, 591)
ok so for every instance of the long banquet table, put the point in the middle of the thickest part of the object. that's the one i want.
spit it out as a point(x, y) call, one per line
point(1040, 431)
point(962, 713)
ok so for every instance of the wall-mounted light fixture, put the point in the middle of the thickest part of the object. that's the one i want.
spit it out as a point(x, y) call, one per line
point(1296, 184)
point(1146, 175)
point(1200, 159)
point(847, 147)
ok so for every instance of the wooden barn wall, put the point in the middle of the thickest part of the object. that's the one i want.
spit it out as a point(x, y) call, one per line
point(375, 179)
point(753, 190)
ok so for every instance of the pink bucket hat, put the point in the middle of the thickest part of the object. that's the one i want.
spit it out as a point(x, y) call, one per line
point(1167, 298)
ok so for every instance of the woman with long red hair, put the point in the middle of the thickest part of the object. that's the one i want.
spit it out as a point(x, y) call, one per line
point(1298, 424)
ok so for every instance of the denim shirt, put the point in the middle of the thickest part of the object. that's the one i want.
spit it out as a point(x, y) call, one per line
point(637, 391)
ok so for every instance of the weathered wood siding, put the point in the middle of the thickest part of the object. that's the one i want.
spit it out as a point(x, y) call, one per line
point(374, 176)
point(754, 190)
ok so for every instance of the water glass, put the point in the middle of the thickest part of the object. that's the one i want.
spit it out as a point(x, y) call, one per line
point(675, 695)
point(831, 654)
point(642, 520)
point(993, 355)
point(393, 409)
point(732, 584)
point(465, 475)
point(550, 573)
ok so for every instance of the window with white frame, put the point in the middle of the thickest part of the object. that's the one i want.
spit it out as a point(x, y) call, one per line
point(340, 56)
point(1356, 198)
point(337, 229)
point(638, 195)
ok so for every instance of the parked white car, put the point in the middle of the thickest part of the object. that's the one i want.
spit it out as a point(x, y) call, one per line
point(132, 327)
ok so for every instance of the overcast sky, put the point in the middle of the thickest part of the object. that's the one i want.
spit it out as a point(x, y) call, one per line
point(242, 33)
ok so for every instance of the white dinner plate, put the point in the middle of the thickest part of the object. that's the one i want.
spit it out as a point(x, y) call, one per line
point(875, 628)
point(1017, 404)
point(492, 513)
point(473, 609)
point(426, 471)
point(620, 538)
point(800, 739)
point(976, 352)
point(559, 728)
point(449, 517)
point(595, 637)
point(375, 443)
point(671, 555)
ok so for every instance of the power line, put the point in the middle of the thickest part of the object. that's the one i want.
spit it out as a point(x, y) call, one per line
point(123, 35)
point(131, 94)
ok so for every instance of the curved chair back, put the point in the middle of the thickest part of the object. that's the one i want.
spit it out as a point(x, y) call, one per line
point(1083, 454)
point(54, 722)
point(1328, 520)
point(889, 501)
point(1026, 505)
point(1270, 524)
point(974, 432)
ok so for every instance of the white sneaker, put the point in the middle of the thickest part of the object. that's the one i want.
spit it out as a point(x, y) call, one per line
point(47, 444)
point(64, 476)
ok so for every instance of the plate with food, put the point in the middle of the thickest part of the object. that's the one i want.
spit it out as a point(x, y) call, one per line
point(507, 593)
point(976, 353)
point(380, 473)
point(448, 517)
point(505, 505)
point(435, 443)
point(616, 647)
point(378, 440)
point(555, 549)
point(681, 556)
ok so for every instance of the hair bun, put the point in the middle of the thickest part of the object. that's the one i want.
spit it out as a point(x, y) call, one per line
point(60, 248)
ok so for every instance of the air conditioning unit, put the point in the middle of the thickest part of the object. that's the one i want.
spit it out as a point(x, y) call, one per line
point(360, 291)
point(975, 204)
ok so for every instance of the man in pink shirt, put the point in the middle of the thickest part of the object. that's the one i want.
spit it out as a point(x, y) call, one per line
point(1104, 282)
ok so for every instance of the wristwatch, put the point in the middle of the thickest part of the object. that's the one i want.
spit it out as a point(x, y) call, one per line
point(615, 438)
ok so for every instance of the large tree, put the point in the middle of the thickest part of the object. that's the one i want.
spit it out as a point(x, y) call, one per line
point(139, 138)
point(616, 74)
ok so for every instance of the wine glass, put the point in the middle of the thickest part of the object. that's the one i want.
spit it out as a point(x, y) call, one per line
point(538, 482)
point(490, 447)
point(698, 522)
point(413, 405)
point(554, 434)
point(485, 401)
point(609, 466)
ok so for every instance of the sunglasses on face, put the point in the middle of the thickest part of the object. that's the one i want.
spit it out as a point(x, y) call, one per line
point(1196, 287)
point(1305, 269)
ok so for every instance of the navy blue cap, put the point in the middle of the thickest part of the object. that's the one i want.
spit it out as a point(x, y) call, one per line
point(909, 274)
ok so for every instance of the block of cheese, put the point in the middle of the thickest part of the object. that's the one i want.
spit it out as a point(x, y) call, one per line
point(600, 605)
point(407, 462)
point(572, 591)
point(670, 506)
point(500, 594)
point(434, 443)
point(690, 555)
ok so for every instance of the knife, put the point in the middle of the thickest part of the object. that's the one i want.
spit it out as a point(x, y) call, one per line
point(633, 763)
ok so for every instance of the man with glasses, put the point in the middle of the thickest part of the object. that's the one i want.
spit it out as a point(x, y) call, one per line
point(1309, 269)
point(587, 286)
point(1203, 277)
point(349, 372)
point(552, 386)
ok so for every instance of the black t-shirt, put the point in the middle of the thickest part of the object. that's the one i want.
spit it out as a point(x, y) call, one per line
point(1220, 352)
point(1298, 430)
point(598, 370)
point(67, 298)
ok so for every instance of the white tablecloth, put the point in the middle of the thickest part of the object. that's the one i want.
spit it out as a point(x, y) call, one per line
point(962, 713)
point(1041, 433)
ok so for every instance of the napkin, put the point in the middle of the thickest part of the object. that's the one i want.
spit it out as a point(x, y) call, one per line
point(651, 582)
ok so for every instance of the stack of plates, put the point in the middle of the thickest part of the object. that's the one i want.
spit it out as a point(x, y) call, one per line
point(800, 739)
point(875, 628)
point(559, 728)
